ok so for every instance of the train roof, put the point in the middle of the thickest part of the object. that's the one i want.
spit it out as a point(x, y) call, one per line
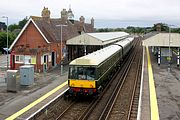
point(123, 43)
point(99, 56)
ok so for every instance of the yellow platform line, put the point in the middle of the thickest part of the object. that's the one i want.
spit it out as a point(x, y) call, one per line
point(153, 98)
point(15, 115)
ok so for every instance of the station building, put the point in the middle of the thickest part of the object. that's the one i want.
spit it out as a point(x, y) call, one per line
point(39, 42)
point(2, 26)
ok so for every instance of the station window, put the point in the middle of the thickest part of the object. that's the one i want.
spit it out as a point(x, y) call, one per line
point(19, 59)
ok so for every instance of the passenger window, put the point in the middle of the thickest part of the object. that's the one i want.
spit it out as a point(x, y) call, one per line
point(90, 73)
point(81, 73)
point(81, 77)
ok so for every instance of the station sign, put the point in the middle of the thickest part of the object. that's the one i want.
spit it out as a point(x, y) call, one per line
point(165, 52)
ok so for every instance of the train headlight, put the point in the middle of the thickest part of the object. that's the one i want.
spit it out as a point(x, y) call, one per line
point(91, 86)
point(72, 85)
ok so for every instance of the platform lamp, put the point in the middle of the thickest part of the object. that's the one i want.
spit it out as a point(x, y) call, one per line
point(61, 26)
point(7, 42)
point(169, 59)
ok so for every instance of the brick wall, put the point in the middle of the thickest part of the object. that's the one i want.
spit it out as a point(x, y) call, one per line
point(32, 43)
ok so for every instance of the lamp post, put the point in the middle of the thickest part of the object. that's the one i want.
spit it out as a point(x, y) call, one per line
point(7, 41)
point(169, 60)
point(169, 65)
point(61, 46)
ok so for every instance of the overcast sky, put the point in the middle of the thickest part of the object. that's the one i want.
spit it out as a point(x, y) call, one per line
point(137, 11)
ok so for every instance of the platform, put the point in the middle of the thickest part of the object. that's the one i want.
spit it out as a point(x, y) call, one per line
point(167, 91)
point(25, 103)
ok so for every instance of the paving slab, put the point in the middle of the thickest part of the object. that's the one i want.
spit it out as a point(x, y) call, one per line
point(10, 102)
point(167, 86)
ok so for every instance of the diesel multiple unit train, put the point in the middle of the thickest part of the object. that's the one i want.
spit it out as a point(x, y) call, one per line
point(88, 74)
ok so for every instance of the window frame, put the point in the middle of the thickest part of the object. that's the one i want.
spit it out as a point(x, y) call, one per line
point(76, 68)
point(20, 60)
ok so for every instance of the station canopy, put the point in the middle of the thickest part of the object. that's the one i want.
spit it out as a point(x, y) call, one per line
point(162, 39)
point(102, 38)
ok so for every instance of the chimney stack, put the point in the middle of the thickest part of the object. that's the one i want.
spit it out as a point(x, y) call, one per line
point(45, 14)
point(92, 21)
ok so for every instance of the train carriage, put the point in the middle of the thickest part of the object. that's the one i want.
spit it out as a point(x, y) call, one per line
point(88, 74)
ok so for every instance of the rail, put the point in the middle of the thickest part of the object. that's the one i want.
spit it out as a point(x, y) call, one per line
point(124, 69)
point(111, 103)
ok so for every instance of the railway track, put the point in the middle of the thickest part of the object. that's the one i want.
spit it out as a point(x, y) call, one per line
point(117, 108)
point(103, 108)
point(133, 109)
point(98, 108)
point(53, 110)
point(124, 102)
point(75, 110)
point(132, 115)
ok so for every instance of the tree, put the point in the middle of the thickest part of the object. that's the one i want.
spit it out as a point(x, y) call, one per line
point(141, 30)
point(130, 29)
point(12, 37)
point(164, 27)
point(22, 23)
point(13, 27)
point(3, 39)
point(119, 29)
point(175, 30)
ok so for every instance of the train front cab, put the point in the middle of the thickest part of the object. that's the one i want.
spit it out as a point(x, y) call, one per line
point(81, 80)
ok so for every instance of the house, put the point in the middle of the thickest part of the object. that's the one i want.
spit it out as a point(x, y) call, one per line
point(2, 26)
point(39, 42)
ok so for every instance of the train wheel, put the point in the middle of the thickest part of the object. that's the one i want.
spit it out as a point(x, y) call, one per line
point(66, 95)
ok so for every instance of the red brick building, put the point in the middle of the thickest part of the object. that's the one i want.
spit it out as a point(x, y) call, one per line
point(39, 42)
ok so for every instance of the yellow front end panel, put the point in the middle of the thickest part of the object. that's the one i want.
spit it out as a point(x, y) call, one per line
point(82, 83)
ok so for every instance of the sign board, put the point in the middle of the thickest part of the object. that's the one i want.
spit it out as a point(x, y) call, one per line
point(165, 52)
point(33, 59)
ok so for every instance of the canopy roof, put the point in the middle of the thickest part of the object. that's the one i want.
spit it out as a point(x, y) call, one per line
point(102, 38)
point(163, 40)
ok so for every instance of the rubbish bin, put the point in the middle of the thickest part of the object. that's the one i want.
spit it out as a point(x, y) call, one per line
point(11, 80)
point(27, 75)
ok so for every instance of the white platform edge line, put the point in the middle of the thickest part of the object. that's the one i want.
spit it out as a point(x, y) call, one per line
point(32, 115)
point(140, 95)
